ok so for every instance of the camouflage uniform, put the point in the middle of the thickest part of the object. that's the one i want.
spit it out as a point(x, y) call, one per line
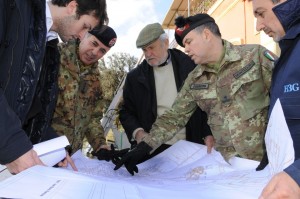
point(235, 96)
point(79, 106)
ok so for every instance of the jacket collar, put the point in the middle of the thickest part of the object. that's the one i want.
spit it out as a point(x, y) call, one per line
point(288, 13)
point(231, 55)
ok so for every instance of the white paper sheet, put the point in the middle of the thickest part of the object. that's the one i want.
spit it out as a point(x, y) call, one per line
point(279, 142)
point(182, 171)
point(48, 182)
point(52, 151)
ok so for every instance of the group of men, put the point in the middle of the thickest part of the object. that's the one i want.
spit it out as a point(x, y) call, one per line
point(231, 84)
point(217, 94)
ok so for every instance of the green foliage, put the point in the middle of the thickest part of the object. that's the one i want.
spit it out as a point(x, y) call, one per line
point(118, 62)
point(202, 6)
point(112, 71)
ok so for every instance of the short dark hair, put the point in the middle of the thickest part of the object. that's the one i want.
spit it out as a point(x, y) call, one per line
point(212, 26)
point(96, 8)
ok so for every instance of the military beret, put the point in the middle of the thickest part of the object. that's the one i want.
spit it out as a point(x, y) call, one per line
point(149, 34)
point(105, 34)
point(185, 25)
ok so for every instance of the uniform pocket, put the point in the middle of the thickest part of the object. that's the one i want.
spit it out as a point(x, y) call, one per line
point(251, 94)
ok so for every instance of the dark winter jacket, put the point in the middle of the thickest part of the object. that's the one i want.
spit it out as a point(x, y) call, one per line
point(286, 76)
point(22, 43)
point(38, 121)
point(139, 108)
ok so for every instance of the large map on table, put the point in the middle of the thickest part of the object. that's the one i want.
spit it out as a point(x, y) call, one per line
point(185, 170)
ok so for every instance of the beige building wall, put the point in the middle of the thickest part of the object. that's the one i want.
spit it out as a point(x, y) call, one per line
point(238, 25)
point(234, 17)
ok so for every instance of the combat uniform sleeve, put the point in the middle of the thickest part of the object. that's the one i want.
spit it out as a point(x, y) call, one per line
point(13, 140)
point(267, 59)
point(95, 132)
point(294, 171)
point(166, 125)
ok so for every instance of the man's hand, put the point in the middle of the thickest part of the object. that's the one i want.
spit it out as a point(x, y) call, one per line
point(281, 186)
point(133, 157)
point(66, 161)
point(25, 161)
point(106, 154)
point(140, 134)
point(209, 142)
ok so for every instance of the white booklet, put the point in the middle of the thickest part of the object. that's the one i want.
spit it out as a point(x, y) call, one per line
point(51, 151)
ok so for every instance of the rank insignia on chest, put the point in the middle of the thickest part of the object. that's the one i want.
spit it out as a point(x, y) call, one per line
point(224, 94)
point(243, 70)
point(199, 86)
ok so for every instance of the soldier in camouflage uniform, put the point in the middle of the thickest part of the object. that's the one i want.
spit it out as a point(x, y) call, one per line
point(231, 84)
point(79, 108)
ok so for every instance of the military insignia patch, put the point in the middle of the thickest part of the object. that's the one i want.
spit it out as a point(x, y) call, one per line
point(199, 86)
point(244, 70)
point(269, 55)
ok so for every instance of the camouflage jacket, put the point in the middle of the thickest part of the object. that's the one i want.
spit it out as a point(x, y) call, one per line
point(79, 106)
point(235, 98)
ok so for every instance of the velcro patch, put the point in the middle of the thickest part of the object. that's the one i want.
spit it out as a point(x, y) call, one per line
point(199, 86)
point(243, 70)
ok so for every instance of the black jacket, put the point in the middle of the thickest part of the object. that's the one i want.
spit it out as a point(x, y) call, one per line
point(22, 43)
point(139, 107)
point(38, 121)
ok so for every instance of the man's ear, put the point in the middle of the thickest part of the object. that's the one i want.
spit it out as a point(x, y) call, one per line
point(71, 7)
point(167, 43)
point(206, 34)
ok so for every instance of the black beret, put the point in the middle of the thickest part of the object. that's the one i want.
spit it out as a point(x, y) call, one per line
point(105, 34)
point(185, 25)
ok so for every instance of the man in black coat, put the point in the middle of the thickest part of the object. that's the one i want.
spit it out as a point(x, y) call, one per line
point(152, 86)
point(22, 46)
